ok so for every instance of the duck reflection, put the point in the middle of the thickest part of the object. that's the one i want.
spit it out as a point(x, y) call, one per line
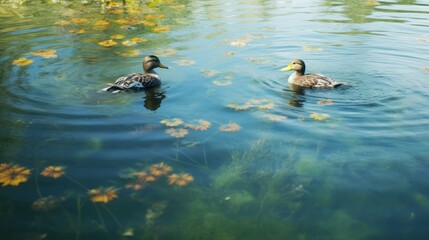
point(297, 95)
point(153, 98)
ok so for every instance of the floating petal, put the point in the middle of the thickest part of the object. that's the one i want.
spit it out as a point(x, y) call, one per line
point(22, 61)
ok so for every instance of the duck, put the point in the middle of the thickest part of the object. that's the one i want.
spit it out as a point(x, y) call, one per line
point(309, 80)
point(139, 81)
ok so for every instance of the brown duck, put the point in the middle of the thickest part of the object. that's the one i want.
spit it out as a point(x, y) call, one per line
point(139, 81)
point(310, 80)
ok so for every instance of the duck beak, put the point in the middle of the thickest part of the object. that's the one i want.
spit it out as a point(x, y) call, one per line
point(162, 66)
point(285, 69)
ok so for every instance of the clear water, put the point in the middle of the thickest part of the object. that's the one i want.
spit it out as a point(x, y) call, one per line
point(359, 172)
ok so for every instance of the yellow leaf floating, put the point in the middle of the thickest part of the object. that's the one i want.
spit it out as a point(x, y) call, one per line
point(22, 61)
point(103, 195)
point(107, 43)
point(154, 17)
point(275, 118)
point(222, 83)
point(45, 53)
point(180, 180)
point(79, 20)
point(238, 107)
point(177, 133)
point(144, 176)
point(172, 122)
point(325, 102)
point(209, 73)
point(230, 127)
point(128, 43)
point(77, 31)
point(186, 62)
point(147, 23)
point(117, 36)
point(130, 53)
point(160, 169)
point(53, 171)
point(166, 52)
point(319, 116)
point(161, 29)
point(138, 40)
point(202, 125)
point(62, 23)
point(102, 23)
point(13, 175)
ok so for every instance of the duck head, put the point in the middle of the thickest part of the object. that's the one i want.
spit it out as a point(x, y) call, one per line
point(297, 65)
point(151, 62)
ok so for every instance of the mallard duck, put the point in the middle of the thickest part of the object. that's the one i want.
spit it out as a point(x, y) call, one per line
point(139, 81)
point(310, 80)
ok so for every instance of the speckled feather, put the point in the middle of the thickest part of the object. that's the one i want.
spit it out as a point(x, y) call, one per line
point(139, 81)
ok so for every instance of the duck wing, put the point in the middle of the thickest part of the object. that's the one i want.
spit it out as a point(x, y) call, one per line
point(317, 81)
point(135, 81)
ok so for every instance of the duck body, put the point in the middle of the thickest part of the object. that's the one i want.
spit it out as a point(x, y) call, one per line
point(311, 80)
point(139, 81)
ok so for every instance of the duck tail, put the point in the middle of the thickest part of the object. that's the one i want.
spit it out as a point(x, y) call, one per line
point(112, 88)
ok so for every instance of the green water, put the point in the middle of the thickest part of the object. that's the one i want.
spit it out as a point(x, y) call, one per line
point(348, 163)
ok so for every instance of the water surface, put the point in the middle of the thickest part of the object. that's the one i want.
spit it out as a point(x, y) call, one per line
point(348, 163)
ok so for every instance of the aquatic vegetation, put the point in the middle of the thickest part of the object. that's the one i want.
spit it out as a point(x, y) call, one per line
point(238, 107)
point(154, 17)
point(22, 61)
point(45, 53)
point(161, 29)
point(103, 195)
point(180, 180)
point(147, 23)
point(202, 125)
point(166, 52)
point(108, 43)
point(372, 3)
point(53, 171)
point(13, 175)
point(160, 169)
point(230, 127)
point(138, 40)
point(155, 212)
point(172, 122)
point(319, 116)
point(177, 133)
point(47, 203)
point(117, 36)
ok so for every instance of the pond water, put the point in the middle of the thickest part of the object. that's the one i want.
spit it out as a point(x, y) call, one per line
point(244, 156)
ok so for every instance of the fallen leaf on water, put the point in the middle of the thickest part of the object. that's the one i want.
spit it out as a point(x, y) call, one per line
point(180, 180)
point(319, 116)
point(53, 171)
point(166, 52)
point(222, 83)
point(312, 49)
point(325, 102)
point(102, 23)
point(209, 73)
point(266, 106)
point(117, 36)
point(201, 126)
point(107, 43)
point(46, 53)
point(13, 175)
point(130, 53)
point(147, 23)
point(128, 43)
point(275, 118)
point(160, 169)
point(172, 122)
point(177, 133)
point(22, 61)
point(79, 20)
point(138, 40)
point(103, 195)
point(161, 29)
point(230, 127)
point(239, 107)
point(62, 23)
point(185, 62)
point(154, 17)
point(77, 31)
